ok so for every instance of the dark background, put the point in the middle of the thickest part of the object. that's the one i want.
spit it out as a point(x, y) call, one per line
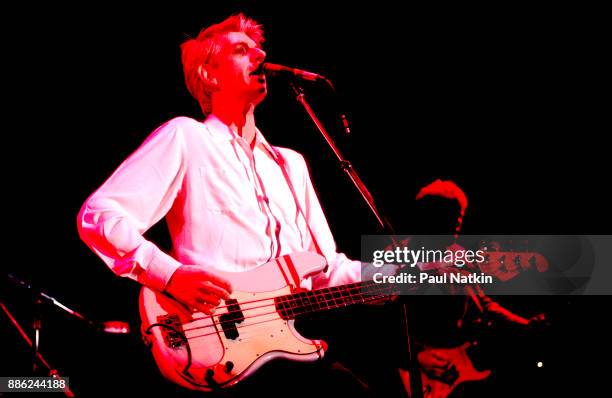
point(505, 101)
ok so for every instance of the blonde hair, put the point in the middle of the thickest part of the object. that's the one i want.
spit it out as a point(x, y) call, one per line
point(205, 47)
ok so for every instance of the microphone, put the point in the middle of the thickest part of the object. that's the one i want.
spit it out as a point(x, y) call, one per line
point(282, 70)
point(279, 70)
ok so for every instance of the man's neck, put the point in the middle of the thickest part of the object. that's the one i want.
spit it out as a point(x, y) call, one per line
point(239, 117)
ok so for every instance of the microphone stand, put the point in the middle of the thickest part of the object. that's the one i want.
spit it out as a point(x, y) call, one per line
point(416, 390)
point(37, 355)
point(41, 298)
point(36, 326)
point(345, 164)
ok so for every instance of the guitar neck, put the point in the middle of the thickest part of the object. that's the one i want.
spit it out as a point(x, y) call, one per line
point(292, 305)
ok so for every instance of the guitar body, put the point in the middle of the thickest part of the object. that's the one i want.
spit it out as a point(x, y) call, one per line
point(435, 388)
point(203, 352)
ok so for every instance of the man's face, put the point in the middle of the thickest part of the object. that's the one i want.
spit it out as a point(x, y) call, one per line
point(435, 215)
point(237, 68)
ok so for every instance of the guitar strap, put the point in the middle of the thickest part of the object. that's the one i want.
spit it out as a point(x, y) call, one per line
point(280, 160)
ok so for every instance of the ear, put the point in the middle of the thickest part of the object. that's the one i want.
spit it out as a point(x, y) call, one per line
point(207, 76)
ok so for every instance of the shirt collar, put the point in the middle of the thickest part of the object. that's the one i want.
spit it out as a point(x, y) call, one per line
point(222, 132)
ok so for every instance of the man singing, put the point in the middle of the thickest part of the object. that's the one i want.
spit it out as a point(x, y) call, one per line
point(231, 200)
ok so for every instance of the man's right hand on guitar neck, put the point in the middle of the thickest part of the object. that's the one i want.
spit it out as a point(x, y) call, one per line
point(198, 289)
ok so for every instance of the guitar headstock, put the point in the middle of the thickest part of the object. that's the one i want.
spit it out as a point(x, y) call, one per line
point(505, 265)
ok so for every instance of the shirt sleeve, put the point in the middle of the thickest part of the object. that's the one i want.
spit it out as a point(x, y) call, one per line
point(341, 270)
point(135, 197)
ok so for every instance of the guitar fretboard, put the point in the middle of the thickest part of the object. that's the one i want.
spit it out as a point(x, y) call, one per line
point(292, 305)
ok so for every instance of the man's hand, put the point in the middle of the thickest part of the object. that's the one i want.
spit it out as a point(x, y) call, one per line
point(437, 365)
point(197, 288)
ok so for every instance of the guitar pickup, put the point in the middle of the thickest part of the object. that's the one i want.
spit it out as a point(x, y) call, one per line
point(228, 321)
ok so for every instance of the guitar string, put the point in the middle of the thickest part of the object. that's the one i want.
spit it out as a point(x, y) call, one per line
point(296, 298)
point(299, 302)
point(331, 290)
point(264, 321)
point(304, 302)
point(294, 312)
point(340, 289)
point(319, 291)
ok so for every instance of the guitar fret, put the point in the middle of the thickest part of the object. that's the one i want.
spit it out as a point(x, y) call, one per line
point(326, 297)
point(358, 295)
point(345, 296)
point(310, 300)
point(296, 304)
point(320, 297)
point(303, 301)
point(292, 307)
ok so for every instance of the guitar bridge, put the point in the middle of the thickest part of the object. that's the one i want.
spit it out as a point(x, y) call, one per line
point(173, 334)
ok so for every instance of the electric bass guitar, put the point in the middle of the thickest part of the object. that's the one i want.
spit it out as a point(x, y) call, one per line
point(256, 325)
point(210, 352)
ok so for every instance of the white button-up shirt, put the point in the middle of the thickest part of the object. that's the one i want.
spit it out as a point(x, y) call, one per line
point(227, 207)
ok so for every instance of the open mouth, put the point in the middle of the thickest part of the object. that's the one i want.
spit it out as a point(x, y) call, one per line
point(258, 71)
